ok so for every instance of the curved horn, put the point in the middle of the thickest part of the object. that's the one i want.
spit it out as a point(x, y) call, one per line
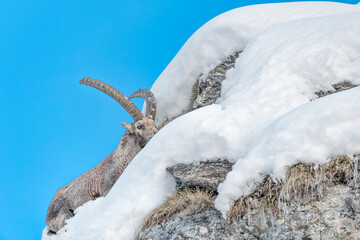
point(150, 101)
point(116, 95)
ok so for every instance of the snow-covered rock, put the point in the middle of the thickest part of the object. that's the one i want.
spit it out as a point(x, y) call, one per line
point(336, 215)
point(268, 117)
point(209, 86)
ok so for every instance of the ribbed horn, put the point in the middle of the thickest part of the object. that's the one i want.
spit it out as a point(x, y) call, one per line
point(150, 101)
point(116, 95)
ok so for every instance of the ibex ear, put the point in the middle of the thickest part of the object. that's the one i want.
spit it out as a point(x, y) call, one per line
point(127, 126)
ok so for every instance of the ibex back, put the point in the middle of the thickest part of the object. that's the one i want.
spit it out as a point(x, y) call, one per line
point(99, 180)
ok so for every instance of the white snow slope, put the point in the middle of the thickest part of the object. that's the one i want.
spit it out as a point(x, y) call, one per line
point(264, 121)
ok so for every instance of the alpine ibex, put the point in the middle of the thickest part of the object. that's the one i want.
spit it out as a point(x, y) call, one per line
point(99, 180)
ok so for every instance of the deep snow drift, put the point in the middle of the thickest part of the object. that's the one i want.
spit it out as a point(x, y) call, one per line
point(268, 117)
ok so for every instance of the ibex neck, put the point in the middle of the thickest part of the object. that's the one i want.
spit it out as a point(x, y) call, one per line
point(127, 148)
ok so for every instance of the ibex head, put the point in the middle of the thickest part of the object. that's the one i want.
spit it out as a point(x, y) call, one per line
point(144, 127)
point(144, 130)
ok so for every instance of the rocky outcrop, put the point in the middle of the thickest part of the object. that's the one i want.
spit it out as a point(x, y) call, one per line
point(337, 88)
point(209, 86)
point(204, 175)
point(311, 203)
point(335, 216)
point(209, 225)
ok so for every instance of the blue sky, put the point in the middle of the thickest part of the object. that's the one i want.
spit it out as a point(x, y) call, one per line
point(51, 128)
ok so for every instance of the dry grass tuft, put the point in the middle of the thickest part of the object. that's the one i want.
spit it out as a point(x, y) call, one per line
point(302, 180)
point(266, 195)
point(299, 181)
point(340, 170)
point(186, 202)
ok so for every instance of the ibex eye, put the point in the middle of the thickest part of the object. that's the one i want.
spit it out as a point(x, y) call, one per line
point(140, 127)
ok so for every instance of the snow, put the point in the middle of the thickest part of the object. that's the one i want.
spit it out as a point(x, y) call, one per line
point(221, 37)
point(268, 117)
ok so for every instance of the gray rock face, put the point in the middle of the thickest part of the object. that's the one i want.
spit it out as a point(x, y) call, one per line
point(208, 225)
point(207, 88)
point(335, 216)
point(204, 175)
point(337, 88)
point(210, 85)
point(329, 210)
